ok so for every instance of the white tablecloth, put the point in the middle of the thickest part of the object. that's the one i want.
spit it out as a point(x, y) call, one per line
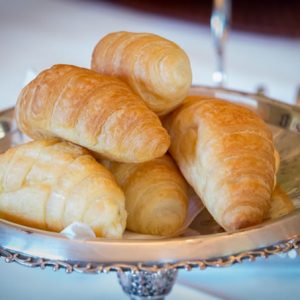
point(275, 278)
point(39, 33)
point(36, 34)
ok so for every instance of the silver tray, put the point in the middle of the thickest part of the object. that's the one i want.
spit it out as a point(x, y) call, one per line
point(38, 248)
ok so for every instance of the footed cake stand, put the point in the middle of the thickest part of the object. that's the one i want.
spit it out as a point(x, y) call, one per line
point(147, 269)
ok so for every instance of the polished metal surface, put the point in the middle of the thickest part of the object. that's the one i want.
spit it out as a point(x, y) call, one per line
point(98, 267)
point(23, 244)
point(147, 285)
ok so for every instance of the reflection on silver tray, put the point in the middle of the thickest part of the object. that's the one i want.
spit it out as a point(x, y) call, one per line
point(40, 248)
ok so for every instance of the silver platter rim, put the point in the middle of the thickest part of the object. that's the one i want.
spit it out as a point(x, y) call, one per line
point(49, 246)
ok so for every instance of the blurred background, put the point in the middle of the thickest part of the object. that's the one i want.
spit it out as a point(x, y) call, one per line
point(270, 17)
point(262, 48)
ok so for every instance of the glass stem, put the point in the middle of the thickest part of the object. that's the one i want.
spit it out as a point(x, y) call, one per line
point(219, 24)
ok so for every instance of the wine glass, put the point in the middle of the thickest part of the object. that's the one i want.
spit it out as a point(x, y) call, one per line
point(219, 24)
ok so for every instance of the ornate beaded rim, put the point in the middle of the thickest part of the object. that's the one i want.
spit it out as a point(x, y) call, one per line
point(91, 268)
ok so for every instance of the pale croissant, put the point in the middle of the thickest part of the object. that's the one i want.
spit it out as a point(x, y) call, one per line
point(156, 195)
point(96, 111)
point(155, 68)
point(226, 153)
point(50, 184)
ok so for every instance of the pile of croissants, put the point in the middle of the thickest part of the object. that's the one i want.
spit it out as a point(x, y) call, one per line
point(100, 142)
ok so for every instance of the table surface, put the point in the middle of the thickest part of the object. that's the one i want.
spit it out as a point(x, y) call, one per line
point(274, 278)
point(36, 34)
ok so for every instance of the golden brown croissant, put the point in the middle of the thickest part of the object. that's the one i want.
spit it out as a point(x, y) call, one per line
point(281, 204)
point(156, 195)
point(96, 111)
point(226, 153)
point(155, 68)
point(49, 184)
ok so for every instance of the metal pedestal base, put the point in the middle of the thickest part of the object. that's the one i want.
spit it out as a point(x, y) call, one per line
point(147, 285)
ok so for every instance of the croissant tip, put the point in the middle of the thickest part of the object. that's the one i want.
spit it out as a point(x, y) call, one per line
point(162, 148)
point(234, 220)
point(239, 224)
point(151, 148)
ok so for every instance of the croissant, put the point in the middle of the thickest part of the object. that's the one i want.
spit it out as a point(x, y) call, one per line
point(49, 184)
point(96, 111)
point(155, 68)
point(226, 152)
point(156, 195)
point(281, 204)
